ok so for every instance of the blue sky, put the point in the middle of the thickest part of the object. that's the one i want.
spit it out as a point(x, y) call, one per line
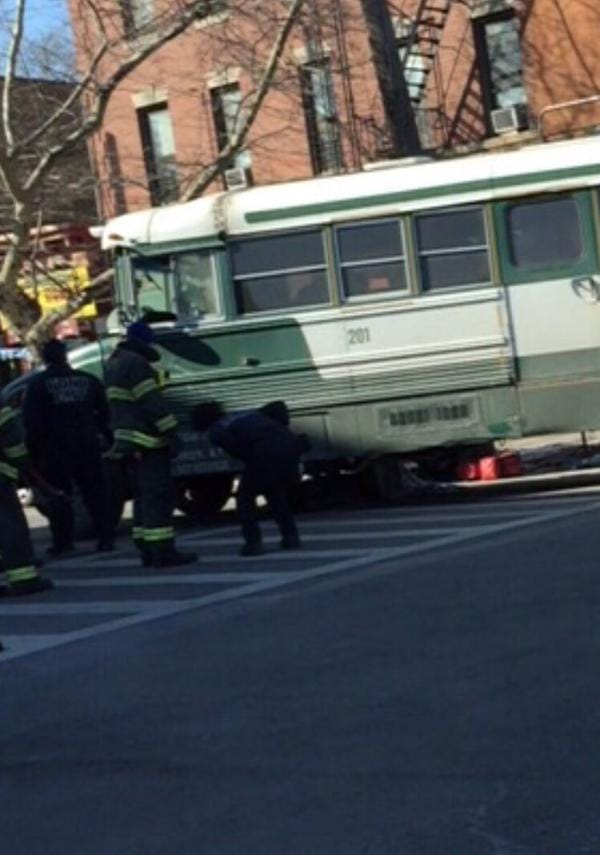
point(47, 16)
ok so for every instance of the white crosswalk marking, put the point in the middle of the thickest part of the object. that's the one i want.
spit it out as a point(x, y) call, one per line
point(100, 593)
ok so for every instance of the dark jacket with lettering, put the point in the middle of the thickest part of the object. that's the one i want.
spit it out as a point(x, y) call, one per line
point(269, 450)
point(13, 453)
point(140, 417)
point(65, 412)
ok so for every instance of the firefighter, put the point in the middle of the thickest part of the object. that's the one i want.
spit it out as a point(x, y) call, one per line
point(15, 543)
point(66, 420)
point(145, 433)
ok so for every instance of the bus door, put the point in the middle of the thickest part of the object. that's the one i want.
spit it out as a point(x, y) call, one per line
point(549, 263)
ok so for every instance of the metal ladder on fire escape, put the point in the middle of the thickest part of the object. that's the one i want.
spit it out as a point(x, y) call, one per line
point(419, 40)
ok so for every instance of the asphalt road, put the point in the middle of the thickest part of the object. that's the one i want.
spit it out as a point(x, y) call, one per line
point(419, 681)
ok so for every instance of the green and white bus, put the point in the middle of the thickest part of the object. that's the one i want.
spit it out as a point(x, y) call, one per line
point(405, 308)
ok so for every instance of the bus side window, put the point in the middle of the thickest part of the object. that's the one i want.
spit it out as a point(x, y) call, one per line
point(279, 272)
point(544, 233)
point(371, 258)
point(151, 283)
point(195, 286)
point(452, 248)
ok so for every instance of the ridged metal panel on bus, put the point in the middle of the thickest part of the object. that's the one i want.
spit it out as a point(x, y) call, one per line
point(309, 388)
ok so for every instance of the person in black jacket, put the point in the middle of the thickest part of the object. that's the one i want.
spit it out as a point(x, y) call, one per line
point(262, 440)
point(66, 415)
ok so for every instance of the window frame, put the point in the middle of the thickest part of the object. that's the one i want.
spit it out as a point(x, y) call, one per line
point(340, 265)
point(317, 143)
point(275, 272)
point(151, 162)
point(512, 275)
point(216, 278)
point(484, 65)
point(488, 246)
point(129, 291)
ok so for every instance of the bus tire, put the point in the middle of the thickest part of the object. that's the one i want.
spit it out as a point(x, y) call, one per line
point(205, 495)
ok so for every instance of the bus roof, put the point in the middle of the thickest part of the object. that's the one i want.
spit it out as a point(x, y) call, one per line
point(403, 186)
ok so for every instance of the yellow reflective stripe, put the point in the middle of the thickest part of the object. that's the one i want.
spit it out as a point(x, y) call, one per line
point(137, 532)
point(16, 451)
point(22, 574)
point(118, 393)
point(166, 423)
point(6, 414)
point(9, 471)
point(144, 387)
point(156, 535)
point(136, 437)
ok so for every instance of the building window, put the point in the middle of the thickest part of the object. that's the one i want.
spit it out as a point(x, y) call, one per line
point(226, 104)
point(159, 153)
point(411, 59)
point(498, 43)
point(137, 15)
point(416, 72)
point(320, 113)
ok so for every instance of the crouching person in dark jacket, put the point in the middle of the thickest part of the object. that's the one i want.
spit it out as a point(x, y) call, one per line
point(270, 452)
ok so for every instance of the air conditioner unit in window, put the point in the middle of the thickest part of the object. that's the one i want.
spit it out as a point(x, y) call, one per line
point(236, 178)
point(507, 120)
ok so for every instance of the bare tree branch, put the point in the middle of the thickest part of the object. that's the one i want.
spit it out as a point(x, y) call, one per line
point(100, 99)
point(9, 73)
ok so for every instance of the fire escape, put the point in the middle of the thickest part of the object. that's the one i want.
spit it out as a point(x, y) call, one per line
point(418, 38)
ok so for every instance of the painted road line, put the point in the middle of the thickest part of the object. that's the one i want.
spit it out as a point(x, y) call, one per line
point(359, 535)
point(228, 558)
point(22, 645)
point(175, 579)
point(282, 580)
point(93, 608)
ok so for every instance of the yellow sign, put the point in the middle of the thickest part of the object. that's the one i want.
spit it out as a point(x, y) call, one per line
point(53, 294)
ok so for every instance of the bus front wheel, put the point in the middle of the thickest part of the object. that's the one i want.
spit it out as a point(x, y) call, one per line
point(204, 496)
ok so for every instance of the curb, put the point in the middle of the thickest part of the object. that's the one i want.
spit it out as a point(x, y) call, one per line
point(532, 483)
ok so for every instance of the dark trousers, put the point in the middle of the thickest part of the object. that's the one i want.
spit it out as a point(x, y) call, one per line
point(16, 550)
point(84, 469)
point(149, 473)
point(275, 490)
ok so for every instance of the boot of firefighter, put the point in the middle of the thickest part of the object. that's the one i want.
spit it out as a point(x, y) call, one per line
point(166, 555)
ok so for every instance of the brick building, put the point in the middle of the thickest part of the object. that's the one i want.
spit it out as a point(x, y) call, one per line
point(479, 72)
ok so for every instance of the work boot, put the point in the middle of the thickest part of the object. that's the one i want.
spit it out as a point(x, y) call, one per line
point(30, 586)
point(105, 546)
point(252, 550)
point(57, 551)
point(168, 556)
point(291, 541)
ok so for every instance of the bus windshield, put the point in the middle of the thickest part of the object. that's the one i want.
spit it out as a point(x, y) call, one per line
point(184, 284)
